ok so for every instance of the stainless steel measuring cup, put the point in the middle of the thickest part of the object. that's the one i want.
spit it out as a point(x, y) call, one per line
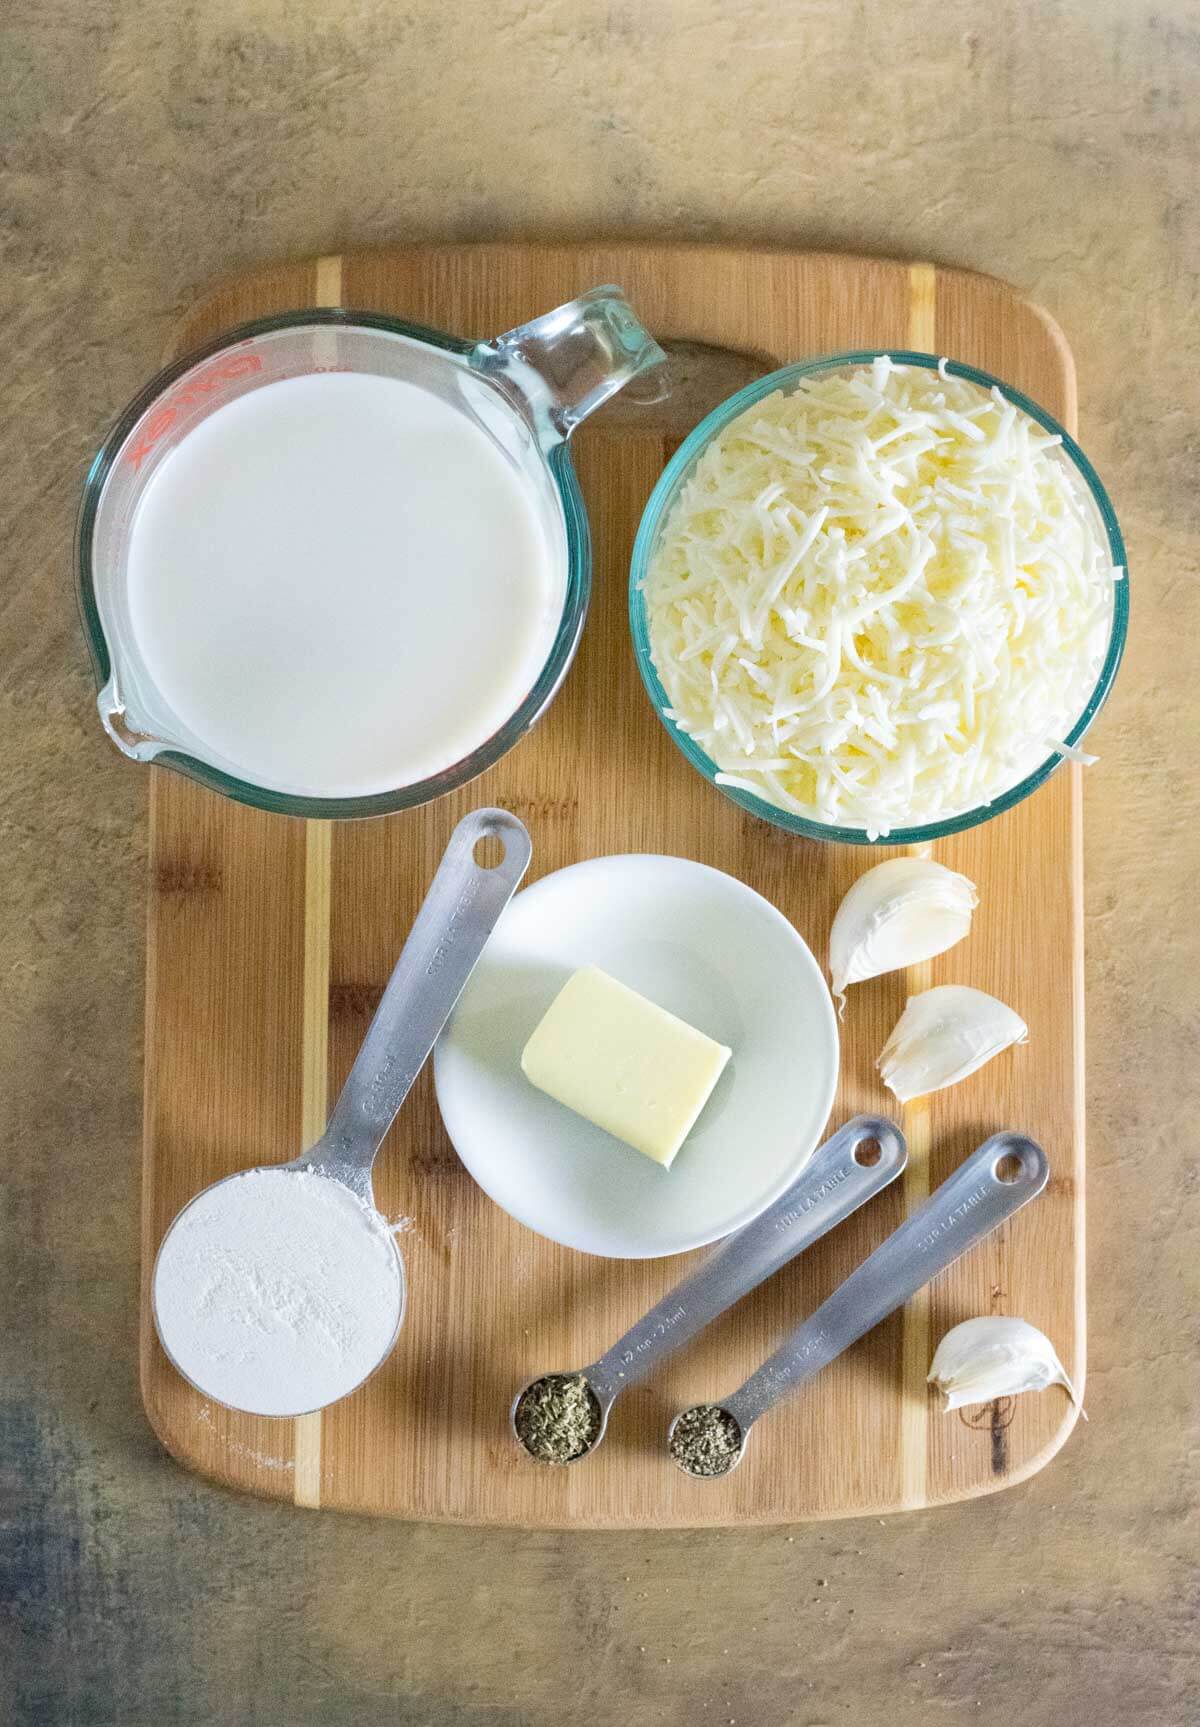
point(451, 929)
point(1005, 1173)
point(850, 1168)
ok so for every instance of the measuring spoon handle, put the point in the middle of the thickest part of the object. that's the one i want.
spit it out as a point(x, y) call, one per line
point(833, 1185)
point(974, 1201)
point(458, 915)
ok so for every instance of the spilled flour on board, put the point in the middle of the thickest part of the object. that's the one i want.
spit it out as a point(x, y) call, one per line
point(237, 1449)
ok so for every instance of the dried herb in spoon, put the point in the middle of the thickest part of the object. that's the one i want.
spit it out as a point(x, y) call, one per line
point(558, 1417)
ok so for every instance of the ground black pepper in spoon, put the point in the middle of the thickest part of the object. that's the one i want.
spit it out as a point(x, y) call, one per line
point(706, 1440)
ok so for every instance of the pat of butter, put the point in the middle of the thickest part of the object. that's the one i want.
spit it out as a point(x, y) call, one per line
point(626, 1065)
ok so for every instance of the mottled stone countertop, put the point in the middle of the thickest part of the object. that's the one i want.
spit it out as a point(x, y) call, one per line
point(151, 146)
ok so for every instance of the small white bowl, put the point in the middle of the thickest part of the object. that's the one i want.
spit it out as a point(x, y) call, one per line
point(701, 945)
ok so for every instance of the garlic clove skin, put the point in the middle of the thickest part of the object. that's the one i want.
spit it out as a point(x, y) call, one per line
point(983, 1359)
point(897, 914)
point(944, 1034)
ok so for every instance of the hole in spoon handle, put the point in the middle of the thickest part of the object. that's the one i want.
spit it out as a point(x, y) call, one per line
point(973, 1202)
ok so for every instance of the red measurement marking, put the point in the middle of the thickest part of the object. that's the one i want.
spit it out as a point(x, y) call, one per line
point(187, 393)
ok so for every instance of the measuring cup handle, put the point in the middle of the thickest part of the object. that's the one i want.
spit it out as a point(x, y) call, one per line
point(833, 1185)
point(563, 365)
point(451, 929)
point(1005, 1173)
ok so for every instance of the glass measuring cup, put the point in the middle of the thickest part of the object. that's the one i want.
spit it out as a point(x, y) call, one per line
point(526, 391)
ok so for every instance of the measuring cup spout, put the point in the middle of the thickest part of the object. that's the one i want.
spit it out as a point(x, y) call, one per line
point(138, 745)
point(560, 367)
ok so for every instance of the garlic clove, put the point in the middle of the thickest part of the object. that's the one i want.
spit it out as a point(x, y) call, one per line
point(897, 914)
point(944, 1034)
point(983, 1359)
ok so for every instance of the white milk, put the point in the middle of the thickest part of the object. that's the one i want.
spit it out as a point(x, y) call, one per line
point(340, 586)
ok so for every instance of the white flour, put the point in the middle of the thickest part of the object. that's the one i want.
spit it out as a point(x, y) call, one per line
point(239, 1449)
point(276, 1292)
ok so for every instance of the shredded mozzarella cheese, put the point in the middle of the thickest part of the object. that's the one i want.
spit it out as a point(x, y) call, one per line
point(881, 599)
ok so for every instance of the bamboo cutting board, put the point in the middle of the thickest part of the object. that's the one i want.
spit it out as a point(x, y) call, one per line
point(270, 940)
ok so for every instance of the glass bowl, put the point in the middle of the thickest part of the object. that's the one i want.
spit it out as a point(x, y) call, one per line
point(659, 507)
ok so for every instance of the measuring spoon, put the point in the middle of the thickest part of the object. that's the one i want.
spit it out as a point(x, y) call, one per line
point(1005, 1173)
point(853, 1166)
point(451, 929)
